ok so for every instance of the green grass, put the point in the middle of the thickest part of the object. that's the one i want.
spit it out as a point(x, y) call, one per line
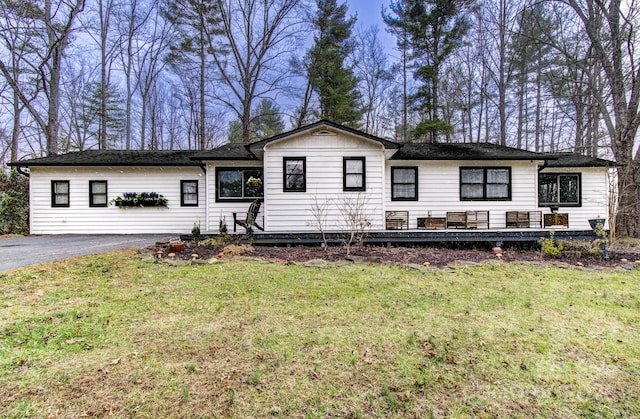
point(112, 335)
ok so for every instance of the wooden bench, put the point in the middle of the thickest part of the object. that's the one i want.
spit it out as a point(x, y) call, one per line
point(524, 219)
point(432, 222)
point(396, 220)
point(468, 219)
point(250, 219)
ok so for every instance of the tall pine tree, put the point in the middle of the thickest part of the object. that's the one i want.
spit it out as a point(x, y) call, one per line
point(435, 29)
point(330, 76)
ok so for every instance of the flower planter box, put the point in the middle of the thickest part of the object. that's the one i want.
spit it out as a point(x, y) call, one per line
point(132, 204)
point(142, 199)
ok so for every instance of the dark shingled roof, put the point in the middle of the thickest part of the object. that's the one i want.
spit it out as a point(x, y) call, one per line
point(409, 151)
point(115, 158)
point(386, 143)
point(463, 151)
point(232, 151)
point(578, 160)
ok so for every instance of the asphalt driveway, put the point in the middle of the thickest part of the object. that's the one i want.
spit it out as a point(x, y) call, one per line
point(16, 252)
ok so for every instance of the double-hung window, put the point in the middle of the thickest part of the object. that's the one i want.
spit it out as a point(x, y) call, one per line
point(189, 193)
point(238, 184)
point(559, 189)
point(59, 193)
point(485, 183)
point(98, 193)
point(295, 174)
point(354, 174)
point(404, 183)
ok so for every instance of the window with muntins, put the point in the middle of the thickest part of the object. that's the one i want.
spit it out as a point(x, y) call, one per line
point(404, 183)
point(59, 193)
point(189, 193)
point(485, 183)
point(559, 189)
point(98, 193)
point(295, 174)
point(354, 174)
point(239, 184)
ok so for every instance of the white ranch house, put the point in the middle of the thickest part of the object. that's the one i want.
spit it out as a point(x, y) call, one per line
point(319, 166)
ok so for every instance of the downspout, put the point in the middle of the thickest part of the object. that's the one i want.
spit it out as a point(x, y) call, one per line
point(203, 167)
point(544, 166)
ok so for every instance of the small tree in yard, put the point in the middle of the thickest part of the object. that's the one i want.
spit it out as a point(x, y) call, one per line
point(319, 218)
point(355, 218)
point(14, 203)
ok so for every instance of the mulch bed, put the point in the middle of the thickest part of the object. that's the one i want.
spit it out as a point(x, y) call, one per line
point(435, 256)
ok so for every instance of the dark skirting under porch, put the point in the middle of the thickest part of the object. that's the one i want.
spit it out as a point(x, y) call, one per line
point(416, 237)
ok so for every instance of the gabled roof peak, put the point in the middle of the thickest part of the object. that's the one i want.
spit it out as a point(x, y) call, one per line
point(323, 127)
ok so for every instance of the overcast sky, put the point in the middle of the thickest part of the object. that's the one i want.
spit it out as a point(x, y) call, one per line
point(369, 13)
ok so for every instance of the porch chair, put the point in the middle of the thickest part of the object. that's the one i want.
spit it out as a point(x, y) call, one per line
point(250, 219)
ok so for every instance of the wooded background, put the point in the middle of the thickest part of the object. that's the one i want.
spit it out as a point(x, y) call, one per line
point(192, 74)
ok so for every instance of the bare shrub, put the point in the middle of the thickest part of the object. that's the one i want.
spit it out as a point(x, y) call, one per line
point(357, 223)
point(319, 211)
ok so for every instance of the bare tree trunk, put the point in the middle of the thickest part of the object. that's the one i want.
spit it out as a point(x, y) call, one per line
point(502, 76)
point(405, 99)
point(128, 68)
point(50, 68)
point(203, 63)
point(521, 107)
point(15, 130)
point(483, 104)
point(105, 16)
point(55, 46)
point(304, 109)
point(538, 110)
point(256, 33)
point(131, 24)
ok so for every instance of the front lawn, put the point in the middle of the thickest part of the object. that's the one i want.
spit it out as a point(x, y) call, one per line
point(113, 335)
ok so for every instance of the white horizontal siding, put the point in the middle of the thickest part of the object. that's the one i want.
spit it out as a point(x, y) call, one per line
point(439, 190)
point(293, 211)
point(79, 217)
point(595, 196)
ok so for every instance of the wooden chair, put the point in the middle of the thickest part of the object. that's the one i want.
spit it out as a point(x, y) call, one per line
point(456, 219)
point(524, 219)
point(396, 220)
point(477, 219)
point(250, 219)
point(556, 220)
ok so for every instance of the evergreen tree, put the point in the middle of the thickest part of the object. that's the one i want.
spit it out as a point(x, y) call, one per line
point(14, 203)
point(329, 75)
point(104, 109)
point(434, 29)
point(266, 121)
